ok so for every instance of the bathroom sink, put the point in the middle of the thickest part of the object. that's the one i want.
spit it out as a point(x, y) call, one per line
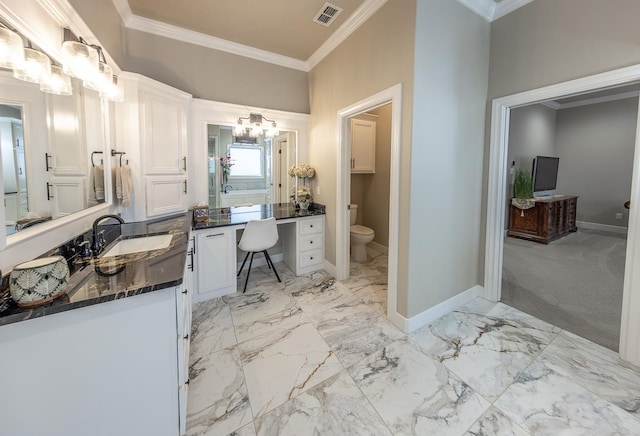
point(136, 245)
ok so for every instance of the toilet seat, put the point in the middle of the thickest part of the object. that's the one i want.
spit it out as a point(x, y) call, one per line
point(361, 230)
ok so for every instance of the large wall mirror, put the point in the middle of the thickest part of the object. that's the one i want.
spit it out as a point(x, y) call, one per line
point(52, 152)
point(242, 171)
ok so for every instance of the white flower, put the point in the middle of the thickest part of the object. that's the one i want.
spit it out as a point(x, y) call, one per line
point(303, 171)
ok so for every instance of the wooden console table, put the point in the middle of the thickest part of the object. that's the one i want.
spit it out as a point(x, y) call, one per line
point(550, 219)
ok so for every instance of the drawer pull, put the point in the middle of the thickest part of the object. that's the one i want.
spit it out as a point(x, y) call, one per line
point(185, 291)
point(311, 258)
point(311, 225)
point(217, 234)
point(310, 242)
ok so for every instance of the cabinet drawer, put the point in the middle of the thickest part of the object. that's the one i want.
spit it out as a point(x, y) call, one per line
point(310, 226)
point(309, 258)
point(311, 242)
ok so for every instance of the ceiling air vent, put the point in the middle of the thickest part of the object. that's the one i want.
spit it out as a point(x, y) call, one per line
point(327, 14)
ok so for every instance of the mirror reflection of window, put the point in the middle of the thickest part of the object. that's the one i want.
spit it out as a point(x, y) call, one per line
point(247, 161)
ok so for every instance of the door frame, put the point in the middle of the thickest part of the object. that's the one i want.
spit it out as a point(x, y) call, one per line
point(496, 203)
point(391, 95)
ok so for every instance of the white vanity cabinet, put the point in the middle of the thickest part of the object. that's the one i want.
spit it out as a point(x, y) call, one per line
point(114, 363)
point(215, 262)
point(152, 131)
point(363, 144)
point(303, 245)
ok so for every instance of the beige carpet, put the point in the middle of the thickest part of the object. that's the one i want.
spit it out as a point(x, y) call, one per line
point(574, 282)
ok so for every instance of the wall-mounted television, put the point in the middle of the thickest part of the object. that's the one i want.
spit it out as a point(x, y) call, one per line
point(545, 175)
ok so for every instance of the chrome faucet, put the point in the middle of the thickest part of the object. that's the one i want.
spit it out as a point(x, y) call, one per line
point(227, 187)
point(98, 237)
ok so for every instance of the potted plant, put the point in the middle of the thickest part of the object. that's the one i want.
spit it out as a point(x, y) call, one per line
point(523, 191)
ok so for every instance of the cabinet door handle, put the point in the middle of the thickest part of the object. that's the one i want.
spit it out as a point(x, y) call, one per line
point(217, 234)
point(186, 336)
point(185, 291)
point(46, 161)
point(190, 267)
point(185, 186)
point(49, 196)
point(184, 160)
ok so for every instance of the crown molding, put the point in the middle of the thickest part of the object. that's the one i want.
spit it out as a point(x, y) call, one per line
point(361, 15)
point(357, 19)
point(485, 8)
point(490, 10)
point(189, 36)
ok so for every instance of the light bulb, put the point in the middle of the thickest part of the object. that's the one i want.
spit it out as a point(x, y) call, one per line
point(101, 79)
point(36, 67)
point(79, 60)
point(57, 83)
point(11, 49)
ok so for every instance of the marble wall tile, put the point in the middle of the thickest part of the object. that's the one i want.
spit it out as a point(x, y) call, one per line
point(415, 394)
point(211, 328)
point(595, 368)
point(354, 332)
point(334, 407)
point(495, 423)
point(487, 351)
point(247, 430)
point(259, 312)
point(281, 364)
point(544, 402)
point(218, 402)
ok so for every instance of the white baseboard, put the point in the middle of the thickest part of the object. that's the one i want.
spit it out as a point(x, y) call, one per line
point(602, 227)
point(409, 325)
point(260, 261)
point(378, 247)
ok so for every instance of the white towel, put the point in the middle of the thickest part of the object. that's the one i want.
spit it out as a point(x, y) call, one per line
point(97, 175)
point(124, 185)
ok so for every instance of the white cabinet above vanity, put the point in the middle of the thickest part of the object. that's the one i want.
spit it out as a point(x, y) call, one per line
point(152, 130)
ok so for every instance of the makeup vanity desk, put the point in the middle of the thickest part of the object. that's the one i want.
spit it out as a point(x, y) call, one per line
point(213, 254)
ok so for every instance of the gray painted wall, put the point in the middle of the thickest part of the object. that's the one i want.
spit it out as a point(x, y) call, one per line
point(450, 90)
point(217, 75)
point(595, 145)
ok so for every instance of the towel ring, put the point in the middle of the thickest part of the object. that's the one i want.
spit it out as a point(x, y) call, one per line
point(113, 153)
point(92, 153)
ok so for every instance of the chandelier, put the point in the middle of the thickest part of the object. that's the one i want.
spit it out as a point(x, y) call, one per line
point(255, 125)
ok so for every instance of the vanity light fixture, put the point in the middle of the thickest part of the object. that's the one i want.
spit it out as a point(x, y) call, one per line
point(79, 59)
point(36, 67)
point(256, 126)
point(102, 77)
point(57, 83)
point(11, 48)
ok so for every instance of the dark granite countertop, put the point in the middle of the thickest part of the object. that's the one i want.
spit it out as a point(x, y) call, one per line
point(99, 280)
point(231, 216)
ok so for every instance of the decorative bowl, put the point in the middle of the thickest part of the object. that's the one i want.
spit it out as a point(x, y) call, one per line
point(39, 281)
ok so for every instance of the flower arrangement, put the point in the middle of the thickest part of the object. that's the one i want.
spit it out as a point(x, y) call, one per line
point(226, 164)
point(302, 171)
point(302, 197)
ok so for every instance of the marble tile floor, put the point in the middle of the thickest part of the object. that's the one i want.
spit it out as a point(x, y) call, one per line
point(314, 356)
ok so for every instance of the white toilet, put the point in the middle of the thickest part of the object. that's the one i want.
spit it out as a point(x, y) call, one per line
point(360, 236)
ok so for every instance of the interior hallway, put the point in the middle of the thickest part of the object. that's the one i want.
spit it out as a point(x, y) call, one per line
point(312, 355)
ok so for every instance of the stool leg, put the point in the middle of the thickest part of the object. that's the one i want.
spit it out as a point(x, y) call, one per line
point(243, 262)
point(266, 254)
point(248, 272)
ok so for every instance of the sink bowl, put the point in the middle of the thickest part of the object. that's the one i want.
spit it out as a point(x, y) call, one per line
point(136, 245)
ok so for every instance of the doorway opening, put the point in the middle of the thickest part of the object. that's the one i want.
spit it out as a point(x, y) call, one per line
point(497, 200)
point(391, 96)
point(564, 256)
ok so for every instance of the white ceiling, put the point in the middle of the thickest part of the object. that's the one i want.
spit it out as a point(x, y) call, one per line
point(277, 31)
